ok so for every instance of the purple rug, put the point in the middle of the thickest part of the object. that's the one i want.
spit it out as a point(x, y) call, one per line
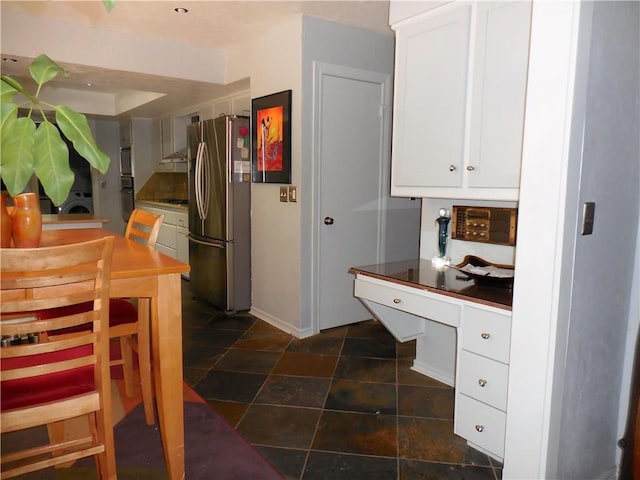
point(213, 450)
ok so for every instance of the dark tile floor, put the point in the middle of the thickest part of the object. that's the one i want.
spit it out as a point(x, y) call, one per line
point(343, 404)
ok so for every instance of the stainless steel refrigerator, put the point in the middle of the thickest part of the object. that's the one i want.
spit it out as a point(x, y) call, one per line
point(220, 212)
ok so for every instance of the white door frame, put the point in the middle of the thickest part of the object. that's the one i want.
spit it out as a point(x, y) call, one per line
point(321, 69)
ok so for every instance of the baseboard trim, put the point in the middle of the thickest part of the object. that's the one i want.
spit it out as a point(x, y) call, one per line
point(280, 324)
point(436, 374)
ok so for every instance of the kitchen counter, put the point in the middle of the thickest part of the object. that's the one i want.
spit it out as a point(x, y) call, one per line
point(63, 221)
point(420, 274)
point(181, 207)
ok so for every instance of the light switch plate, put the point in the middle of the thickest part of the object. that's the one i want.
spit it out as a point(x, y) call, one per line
point(293, 194)
point(588, 214)
point(284, 195)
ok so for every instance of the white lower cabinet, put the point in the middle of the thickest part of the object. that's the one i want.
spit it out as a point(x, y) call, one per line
point(482, 378)
point(182, 246)
point(481, 425)
point(481, 351)
point(173, 239)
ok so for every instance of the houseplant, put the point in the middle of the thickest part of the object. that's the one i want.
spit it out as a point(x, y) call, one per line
point(27, 149)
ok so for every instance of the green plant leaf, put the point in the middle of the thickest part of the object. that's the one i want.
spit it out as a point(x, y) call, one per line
point(109, 4)
point(43, 69)
point(75, 127)
point(51, 163)
point(8, 88)
point(16, 143)
point(8, 111)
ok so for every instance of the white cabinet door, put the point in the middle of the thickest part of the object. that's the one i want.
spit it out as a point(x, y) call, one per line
point(430, 101)
point(167, 137)
point(498, 96)
point(173, 132)
point(459, 101)
point(182, 247)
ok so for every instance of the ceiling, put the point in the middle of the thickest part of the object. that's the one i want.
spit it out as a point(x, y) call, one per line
point(218, 24)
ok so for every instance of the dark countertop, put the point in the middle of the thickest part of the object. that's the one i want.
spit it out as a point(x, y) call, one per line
point(419, 273)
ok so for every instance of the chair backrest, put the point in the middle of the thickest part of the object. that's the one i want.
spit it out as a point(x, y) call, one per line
point(143, 227)
point(35, 279)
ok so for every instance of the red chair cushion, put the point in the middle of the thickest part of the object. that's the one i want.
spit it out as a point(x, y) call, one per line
point(121, 311)
point(32, 391)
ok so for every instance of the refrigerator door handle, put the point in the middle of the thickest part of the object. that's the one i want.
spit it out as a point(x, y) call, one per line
point(208, 244)
point(202, 173)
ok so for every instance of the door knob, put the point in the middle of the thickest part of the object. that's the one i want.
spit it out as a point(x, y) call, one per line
point(328, 221)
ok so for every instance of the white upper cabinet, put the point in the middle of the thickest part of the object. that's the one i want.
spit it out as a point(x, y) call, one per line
point(430, 96)
point(460, 86)
point(173, 134)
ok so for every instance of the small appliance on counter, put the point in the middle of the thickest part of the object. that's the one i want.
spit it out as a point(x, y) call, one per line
point(219, 212)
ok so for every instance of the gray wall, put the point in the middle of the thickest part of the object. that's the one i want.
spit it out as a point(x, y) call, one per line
point(599, 301)
point(332, 43)
point(106, 201)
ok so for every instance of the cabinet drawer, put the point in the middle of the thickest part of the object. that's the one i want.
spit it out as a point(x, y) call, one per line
point(483, 379)
point(169, 252)
point(421, 304)
point(182, 220)
point(487, 333)
point(168, 236)
point(480, 424)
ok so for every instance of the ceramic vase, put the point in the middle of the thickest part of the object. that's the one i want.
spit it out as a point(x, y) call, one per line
point(6, 222)
point(26, 221)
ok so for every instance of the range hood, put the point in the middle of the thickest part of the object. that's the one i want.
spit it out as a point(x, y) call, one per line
point(179, 156)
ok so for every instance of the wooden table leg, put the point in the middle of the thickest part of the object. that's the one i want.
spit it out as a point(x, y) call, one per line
point(166, 334)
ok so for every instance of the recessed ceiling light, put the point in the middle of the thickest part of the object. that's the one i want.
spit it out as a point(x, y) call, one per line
point(180, 10)
point(89, 84)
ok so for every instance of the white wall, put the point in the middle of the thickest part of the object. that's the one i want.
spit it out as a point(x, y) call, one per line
point(271, 59)
point(82, 45)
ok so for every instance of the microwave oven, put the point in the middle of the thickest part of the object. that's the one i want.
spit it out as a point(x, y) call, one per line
point(126, 167)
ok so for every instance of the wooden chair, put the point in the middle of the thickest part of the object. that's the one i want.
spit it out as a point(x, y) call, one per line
point(130, 325)
point(58, 377)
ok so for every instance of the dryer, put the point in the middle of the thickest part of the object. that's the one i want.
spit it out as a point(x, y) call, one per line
point(77, 202)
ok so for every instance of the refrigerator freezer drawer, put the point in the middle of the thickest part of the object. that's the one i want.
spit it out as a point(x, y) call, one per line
point(210, 274)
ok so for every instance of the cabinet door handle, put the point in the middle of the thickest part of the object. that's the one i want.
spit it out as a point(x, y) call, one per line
point(479, 428)
point(396, 300)
point(452, 168)
point(470, 168)
point(485, 335)
point(482, 382)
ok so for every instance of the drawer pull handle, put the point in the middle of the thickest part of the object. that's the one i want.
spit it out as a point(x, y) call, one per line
point(396, 300)
point(485, 335)
point(482, 382)
point(452, 168)
point(480, 428)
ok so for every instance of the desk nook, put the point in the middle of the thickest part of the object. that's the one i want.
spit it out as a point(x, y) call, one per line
point(462, 332)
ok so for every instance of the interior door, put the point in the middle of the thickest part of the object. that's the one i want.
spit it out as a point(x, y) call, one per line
point(352, 161)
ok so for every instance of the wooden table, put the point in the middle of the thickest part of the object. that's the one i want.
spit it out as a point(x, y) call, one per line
point(138, 271)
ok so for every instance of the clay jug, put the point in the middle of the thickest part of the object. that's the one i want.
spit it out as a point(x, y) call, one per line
point(26, 221)
point(6, 222)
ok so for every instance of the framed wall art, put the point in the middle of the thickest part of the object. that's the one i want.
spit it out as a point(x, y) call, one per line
point(271, 132)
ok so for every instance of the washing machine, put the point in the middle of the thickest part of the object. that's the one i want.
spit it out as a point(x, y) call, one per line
point(78, 202)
